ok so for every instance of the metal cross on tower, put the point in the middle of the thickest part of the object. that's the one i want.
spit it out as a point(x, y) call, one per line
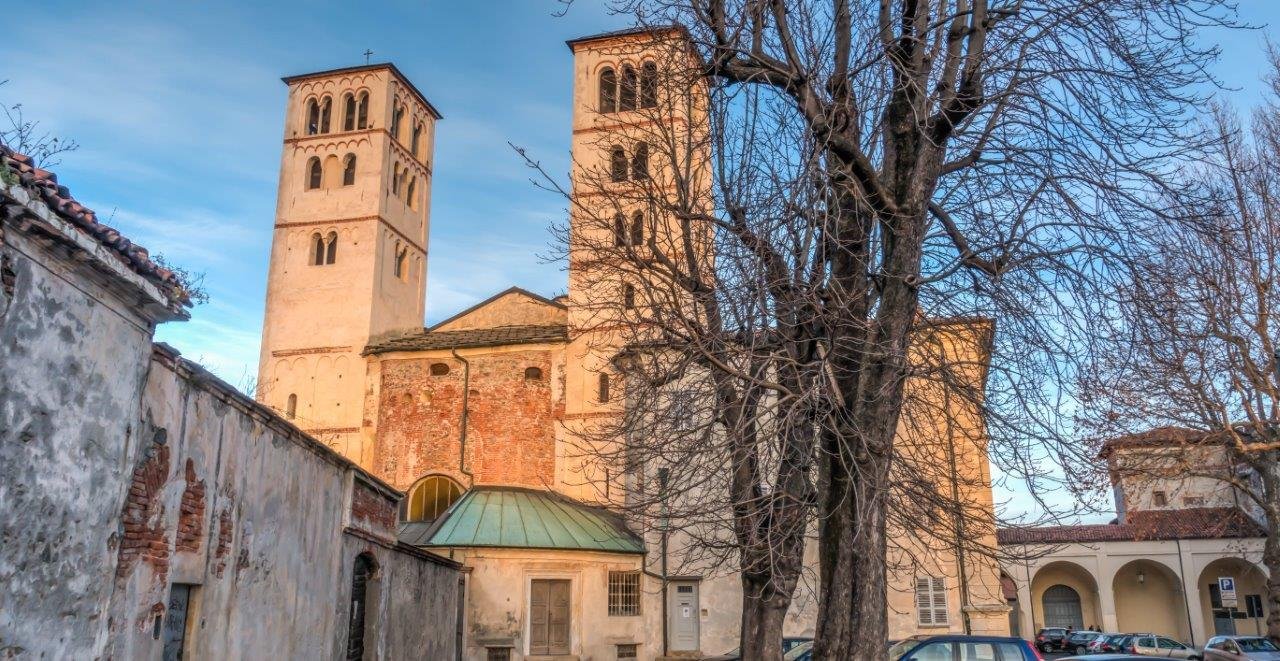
point(367, 53)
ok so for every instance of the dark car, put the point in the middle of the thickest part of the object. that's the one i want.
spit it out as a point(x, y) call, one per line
point(1103, 657)
point(1078, 642)
point(1049, 639)
point(963, 648)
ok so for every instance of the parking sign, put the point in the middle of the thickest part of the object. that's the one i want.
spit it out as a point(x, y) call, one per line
point(1227, 588)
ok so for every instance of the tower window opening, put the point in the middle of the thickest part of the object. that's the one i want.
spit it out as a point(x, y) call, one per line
point(415, 143)
point(326, 111)
point(349, 170)
point(637, 228)
point(628, 296)
point(619, 229)
point(640, 162)
point(602, 389)
point(324, 249)
point(627, 91)
point(439, 369)
point(397, 118)
point(408, 192)
point(402, 254)
point(649, 85)
point(315, 173)
point(291, 407)
point(362, 112)
point(313, 117)
point(348, 112)
point(617, 164)
point(608, 90)
point(533, 374)
point(395, 180)
point(317, 249)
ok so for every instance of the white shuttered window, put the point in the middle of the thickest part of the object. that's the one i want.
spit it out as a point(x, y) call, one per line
point(931, 601)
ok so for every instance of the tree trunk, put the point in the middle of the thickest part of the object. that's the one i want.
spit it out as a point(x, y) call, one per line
point(1271, 559)
point(764, 610)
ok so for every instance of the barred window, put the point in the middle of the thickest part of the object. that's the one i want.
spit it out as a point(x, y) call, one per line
point(628, 651)
point(497, 654)
point(931, 602)
point(624, 593)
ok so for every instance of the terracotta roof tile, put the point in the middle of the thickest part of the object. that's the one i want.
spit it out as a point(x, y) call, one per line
point(480, 337)
point(1149, 525)
point(43, 185)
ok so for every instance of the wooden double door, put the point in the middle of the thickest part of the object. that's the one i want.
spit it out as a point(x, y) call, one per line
point(549, 617)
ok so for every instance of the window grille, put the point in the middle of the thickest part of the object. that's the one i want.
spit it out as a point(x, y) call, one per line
point(497, 654)
point(628, 651)
point(931, 602)
point(624, 593)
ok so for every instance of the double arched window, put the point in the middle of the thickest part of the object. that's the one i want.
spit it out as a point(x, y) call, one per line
point(325, 174)
point(355, 111)
point(628, 91)
point(324, 248)
point(430, 498)
point(628, 234)
point(319, 112)
point(639, 163)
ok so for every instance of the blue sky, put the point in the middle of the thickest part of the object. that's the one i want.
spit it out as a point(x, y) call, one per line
point(178, 107)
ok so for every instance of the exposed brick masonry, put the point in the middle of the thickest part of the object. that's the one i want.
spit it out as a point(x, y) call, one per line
point(191, 516)
point(143, 517)
point(372, 512)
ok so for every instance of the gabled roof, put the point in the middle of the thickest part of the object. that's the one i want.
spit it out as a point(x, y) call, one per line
point(627, 32)
point(1145, 525)
point(511, 517)
point(288, 80)
point(506, 292)
point(20, 171)
point(474, 338)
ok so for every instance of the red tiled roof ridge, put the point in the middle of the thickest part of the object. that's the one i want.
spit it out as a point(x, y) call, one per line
point(1144, 525)
point(43, 184)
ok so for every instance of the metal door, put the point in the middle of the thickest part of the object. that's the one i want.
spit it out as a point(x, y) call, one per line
point(1062, 608)
point(175, 621)
point(683, 616)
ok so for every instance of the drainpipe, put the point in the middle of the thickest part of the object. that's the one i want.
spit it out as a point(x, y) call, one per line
point(1186, 605)
point(664, 524)
point(959, 532)
point(462, 431)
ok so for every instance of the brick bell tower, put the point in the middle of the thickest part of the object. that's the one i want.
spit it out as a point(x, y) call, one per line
point(349, 250)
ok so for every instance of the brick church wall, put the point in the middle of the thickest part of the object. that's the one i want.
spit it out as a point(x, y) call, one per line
point(511, 419)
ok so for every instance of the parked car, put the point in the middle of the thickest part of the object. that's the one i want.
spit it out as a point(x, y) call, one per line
point(1152, 645)
point(1240, 648)
point(1078, 642)
point(1101, 657)
point(963, 648)
point(788, 643)
point(1113, 643)
point(1050, 639)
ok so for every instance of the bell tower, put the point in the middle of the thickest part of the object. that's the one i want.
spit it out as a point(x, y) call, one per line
point(349, 250)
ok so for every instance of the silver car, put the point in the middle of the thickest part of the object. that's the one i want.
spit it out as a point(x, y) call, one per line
point(1240, 648)
point(1151, 645)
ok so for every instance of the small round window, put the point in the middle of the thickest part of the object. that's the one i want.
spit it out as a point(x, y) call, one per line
point(439, 369)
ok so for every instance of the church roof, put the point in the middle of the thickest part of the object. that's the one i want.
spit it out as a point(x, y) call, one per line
point(512, 517)
point(472, 338)
point(1145, 525)
point(371, 67)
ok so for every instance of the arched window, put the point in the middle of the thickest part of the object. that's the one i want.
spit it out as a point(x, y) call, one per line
point(397, 118)
point(414, 145)
point(332, 171)
point(430, 498)
point(362, 574)
point(648, 85)
point(326, 111)
point(628, 296)
point(408, 192)
point(627, 91)
point(315, 174)
point(619, 229)
point(640, 162)
point(317, 249)
point(533, 374)
point(617, 164)
point(291, 407)
point(637, 228)
point(313, 117)
point(439, 369)
point(362, 111)
point(608, 90)
point(331, 248)
point(349, 170)
point(395, 180)
point(602, 389)
point(348, 112)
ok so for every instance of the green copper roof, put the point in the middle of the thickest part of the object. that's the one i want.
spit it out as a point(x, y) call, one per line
point(526, 518)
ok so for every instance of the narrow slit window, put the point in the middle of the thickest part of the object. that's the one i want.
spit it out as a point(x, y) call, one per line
point(619, 229)
point(637, 228)
point(414, 146)
point(602, 387)
point(317, 249)
point(627, 90)
point(315, 174)
point(396, 120)
point(628, 296)
point(640, 162)
point(362, 113)
point(349, 170)
point(617, 164)
point(408, 192)
point(313, 117)
point(331, 248)
point(326, 111)
point(291, 407)
point(348, 112)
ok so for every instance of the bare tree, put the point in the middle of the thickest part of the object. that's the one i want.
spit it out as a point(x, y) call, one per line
point(26, 137)
point(861, 174)
point(1196, 338)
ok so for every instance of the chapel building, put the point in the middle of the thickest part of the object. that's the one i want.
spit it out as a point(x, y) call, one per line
point(479, 419)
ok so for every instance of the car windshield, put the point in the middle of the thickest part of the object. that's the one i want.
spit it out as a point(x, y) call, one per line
point(1256, 645)
point(901, 647)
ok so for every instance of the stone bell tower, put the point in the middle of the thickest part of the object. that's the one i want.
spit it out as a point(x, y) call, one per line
point(349, 250)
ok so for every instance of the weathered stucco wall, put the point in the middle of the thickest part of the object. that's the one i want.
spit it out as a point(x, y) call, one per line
point(71, 369)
